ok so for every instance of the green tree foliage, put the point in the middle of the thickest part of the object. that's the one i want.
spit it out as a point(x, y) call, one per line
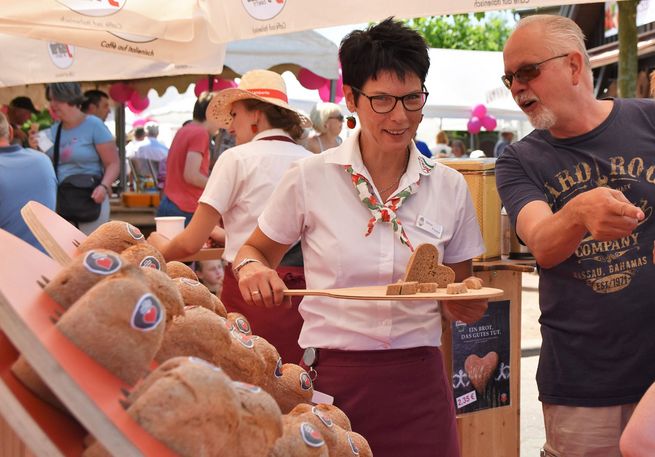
point(475, 31)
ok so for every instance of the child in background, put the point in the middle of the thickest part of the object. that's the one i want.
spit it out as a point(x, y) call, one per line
point(210, 273)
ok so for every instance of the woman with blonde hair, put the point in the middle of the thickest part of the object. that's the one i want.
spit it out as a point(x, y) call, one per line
point(328, 121)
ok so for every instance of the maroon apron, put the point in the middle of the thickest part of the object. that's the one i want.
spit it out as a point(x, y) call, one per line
point(279, 326)
point(400, 400)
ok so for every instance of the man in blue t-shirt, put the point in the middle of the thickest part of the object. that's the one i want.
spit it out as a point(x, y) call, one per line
point(580, 191)
point(25, 174)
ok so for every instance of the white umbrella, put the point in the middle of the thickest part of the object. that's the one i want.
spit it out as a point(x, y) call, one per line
point(236, 19)
point(171, 20)
point(239, 19)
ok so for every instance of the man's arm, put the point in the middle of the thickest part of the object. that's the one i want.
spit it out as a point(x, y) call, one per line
point(552, 238)
point(192, 174)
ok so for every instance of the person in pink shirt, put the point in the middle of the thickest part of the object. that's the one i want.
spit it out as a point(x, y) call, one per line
point(359, 210)
point(187, 164)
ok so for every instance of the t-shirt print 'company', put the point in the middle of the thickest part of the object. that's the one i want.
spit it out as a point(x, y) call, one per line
point(608, 266)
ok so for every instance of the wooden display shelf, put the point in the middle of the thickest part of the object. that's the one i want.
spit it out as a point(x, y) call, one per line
point(495, 432)
point(60, 238)
point(90, 392)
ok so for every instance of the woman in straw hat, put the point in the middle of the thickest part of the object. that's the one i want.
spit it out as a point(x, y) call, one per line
point(359, 210)
point(265, 128)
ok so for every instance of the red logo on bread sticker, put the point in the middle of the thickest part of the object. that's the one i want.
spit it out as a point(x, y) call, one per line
point(134, 232)
point(353, 446)
point(321, 415)
point(310, 435)
point(278, 368)
point(247, 387)
point(147, 313)
point(190, 282)
point(102, 263)
point(242, 325)
point(150, 262)
point(305, 381)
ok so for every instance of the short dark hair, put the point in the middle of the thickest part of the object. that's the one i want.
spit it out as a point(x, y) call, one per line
point(278, 117)
point(93, 97)
point(200, 107)
point(388, 46)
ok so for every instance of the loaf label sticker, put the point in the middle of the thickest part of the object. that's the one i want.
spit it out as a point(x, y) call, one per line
point(321, 415)
point(150, 262)
point(134, 232)
point(353, 446)
point(245, 340)
point(305, 381)
point(242, 325)
point(481, 371)
point(102, 263)
point(278, 368)
point(147, 313)
point(190, 282)
point(310, 435)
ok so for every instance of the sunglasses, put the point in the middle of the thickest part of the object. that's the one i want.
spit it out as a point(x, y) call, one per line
point(526, 72)
point(338, 117)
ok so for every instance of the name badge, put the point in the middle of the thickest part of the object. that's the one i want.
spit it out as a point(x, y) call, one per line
point(428, 226)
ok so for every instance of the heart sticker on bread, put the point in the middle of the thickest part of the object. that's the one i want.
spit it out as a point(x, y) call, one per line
point(480, 370)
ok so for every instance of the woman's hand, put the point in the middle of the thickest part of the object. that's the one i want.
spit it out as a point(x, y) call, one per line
point(467, 311)
point(261, 286)
point(99, 194)
point(159, 241)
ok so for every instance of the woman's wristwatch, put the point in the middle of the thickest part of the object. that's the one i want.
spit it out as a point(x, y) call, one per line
point(243, 263)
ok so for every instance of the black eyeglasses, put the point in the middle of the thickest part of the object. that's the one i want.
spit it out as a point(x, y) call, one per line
point(526, 72)
point(338, 117)
point(385, 103)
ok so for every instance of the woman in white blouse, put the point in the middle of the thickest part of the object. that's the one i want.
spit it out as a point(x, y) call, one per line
point(359, 210)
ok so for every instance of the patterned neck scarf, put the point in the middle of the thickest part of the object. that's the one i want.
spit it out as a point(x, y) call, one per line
point(380, 212)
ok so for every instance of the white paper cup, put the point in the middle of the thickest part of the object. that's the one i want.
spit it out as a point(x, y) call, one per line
point(169, 226)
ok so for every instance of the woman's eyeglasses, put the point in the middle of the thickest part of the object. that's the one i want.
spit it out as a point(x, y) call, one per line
point(338, 117)
point(526, 72)
point(385, 103)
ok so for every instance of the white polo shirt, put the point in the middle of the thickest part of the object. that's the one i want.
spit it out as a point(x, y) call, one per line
point(317, 201)
point(243, 179)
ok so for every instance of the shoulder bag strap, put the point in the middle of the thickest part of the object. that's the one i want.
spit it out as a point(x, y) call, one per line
point(55, 157)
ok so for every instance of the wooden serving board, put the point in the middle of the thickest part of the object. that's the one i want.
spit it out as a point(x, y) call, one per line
point(60, 238)
point(379, 293)
point(89, 391)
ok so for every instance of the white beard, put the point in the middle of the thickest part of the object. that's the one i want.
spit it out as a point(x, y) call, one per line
point(542, 119)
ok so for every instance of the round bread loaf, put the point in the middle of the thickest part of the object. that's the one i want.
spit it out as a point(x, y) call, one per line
point(119, 323)
point(219, 307)
point(334, 413)
point(199, 333)
point(293, 386)
point(299, 439)
point(240, 361)
point(261, 421)
point(176, 269)
point(145, 255)
point(113, 235)
point(194, 293)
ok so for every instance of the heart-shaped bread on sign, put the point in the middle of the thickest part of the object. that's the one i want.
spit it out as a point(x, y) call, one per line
point(480, 370)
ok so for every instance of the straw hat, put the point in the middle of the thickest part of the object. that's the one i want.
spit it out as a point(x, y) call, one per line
point(263, 85)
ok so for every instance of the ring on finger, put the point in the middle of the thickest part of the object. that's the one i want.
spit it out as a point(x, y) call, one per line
point(255, 292)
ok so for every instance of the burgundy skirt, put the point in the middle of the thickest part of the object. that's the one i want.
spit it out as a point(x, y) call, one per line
point(279, 326)
point(400, 400)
